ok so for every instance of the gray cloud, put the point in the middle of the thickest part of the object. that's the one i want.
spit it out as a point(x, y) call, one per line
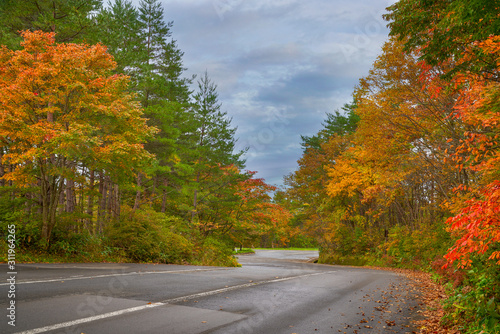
point(280, 65)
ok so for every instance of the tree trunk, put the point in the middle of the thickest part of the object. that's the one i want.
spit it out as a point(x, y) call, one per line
point(50, 191)
point(102, 204)
point(194, 213)
point(116, 212)
point(138, 193)
point(164, 201)
point(111, 199)
point(70, 196)
point(2, 170)
point(90, 203)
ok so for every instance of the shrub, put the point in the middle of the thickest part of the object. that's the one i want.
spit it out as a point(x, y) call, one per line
point(215, 252)
point(475, 304)
point(145, 235)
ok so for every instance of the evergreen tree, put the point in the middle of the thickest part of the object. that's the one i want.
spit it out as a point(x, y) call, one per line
point(215, 164)
point(340, 124)
point(155, 33)
point(71, 20)
point(141, 41)
point(119, 29)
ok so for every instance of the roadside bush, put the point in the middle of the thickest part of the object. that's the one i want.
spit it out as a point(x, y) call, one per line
point(302, 241)
point(475, 304)
point(84, 247)
point(27, 229)
point(339, 259)
point(449, 275)
point(215, 252)
point(146, 236)
point(415, 249)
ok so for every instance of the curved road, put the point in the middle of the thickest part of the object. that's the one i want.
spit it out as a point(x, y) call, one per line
point(273, 292)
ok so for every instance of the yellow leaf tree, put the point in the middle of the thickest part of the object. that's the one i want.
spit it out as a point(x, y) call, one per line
point(61, 110)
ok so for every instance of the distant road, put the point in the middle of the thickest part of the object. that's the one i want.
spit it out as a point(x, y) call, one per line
point(274, 292)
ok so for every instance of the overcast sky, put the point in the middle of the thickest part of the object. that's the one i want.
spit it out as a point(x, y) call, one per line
point(280, 65)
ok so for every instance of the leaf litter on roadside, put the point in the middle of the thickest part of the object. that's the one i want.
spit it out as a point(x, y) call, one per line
point(393, 301)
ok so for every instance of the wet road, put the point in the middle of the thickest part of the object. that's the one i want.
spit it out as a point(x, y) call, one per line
point(273, 292)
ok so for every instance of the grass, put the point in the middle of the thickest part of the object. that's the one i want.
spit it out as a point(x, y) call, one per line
point(290, 248)
point(243, 251)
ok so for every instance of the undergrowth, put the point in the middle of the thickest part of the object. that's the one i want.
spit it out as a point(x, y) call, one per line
point(138, 236)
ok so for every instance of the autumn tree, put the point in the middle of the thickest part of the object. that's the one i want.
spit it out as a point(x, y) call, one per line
point(258, 220)
point(444, 30)
point(64, 113)
point(400, 170)
point(407, 148)
point(477, 222)
point(306, 187)
point(393, 169)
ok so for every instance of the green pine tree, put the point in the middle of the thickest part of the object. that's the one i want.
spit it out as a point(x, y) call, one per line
point(216, 165)
point(71, 20)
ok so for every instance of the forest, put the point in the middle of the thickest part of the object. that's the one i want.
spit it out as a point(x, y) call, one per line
point(407, 173)
point(107, 154)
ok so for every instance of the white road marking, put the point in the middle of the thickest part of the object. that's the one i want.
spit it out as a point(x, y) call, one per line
point(72, 278)
point(163, 303)
point(89, 319)
point(236, 287)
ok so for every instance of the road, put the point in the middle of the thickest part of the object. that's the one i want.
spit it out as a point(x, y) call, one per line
point(273, 292)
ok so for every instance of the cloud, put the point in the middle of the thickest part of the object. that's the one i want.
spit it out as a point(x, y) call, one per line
point(280, 65)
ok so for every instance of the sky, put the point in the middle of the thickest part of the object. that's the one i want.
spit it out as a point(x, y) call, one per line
point(279, 65)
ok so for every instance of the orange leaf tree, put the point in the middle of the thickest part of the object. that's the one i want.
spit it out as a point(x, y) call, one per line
point(395, 163)
point(478, 220)
point(307, 187)
point(61, 109)
point(393, 174)
point(258, 217)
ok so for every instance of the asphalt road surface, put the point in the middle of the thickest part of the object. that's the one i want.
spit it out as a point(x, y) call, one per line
point(274, 292)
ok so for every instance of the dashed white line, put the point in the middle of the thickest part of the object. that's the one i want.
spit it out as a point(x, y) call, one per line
point(236, 287)
point(89, 319)
point(72, 278)
point(163, 303)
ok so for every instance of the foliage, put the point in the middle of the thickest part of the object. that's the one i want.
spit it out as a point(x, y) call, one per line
point(63, 111)
point(415, 249)
point(475, 305)
point(477, 221)
point(259, 220)
point(145, 236)
point(214, 252)
point(478, 225)
point(442, 30)
point(70, 19)
point(96, 138)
